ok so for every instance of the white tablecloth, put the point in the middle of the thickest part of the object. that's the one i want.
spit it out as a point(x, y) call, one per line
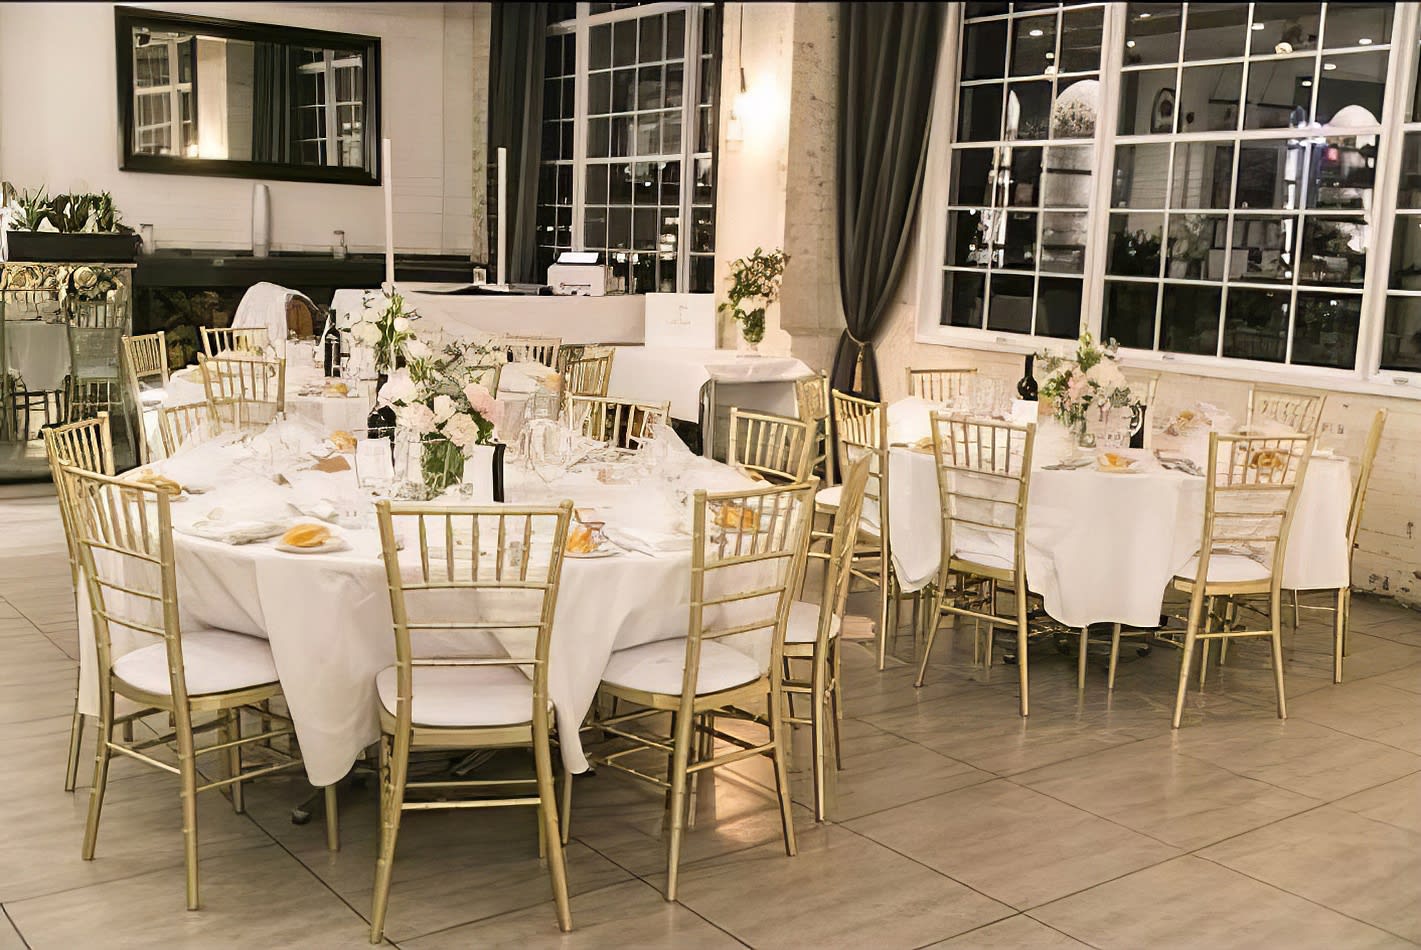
point(662, 374)
point(1103, 547)
point(328, 616)
point(39, 352)
point(328, 412)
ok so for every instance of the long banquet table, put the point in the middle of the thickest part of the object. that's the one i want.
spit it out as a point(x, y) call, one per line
point(327, 616)
point(1101, 546)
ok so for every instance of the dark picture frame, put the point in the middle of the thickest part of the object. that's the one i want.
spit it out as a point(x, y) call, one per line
point(126, 19)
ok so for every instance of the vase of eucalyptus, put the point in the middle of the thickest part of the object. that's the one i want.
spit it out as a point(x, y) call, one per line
point(754, 285)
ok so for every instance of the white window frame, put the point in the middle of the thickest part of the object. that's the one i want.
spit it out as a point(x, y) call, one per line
point(332, 143)
point(690, 121)
point(1366, 377)
point(173, 91)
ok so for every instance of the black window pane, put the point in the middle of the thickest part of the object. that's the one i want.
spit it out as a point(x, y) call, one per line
point(1351, 88)
point(1203, 172)
point(1081, 35)
point(1325, 332)
point(1063, 237)
point(1189, 319)
point(1152, 33)
point(1358, 24)
point(1023, 185)
point(1256, 325)
point(623, 90)
point(569, 55)
point(1019, 250)
point(1401, 336)
point(566, 147)
point(702, 274)
point(624, 43)
point(596, 184)
point(1285, 27)
point(621, 144)
point(1147, 102)
point(1406, 253)
point(650, 89)
point(599, 93)
point(594, 227)
point(1209, 98)
point(1409, 195)
point(599, 47)
point(599, 141)
point(1279, 94)
point(1011, 303)
point(671, 184)
point(1134, 249)
point(971, 176)
point(984, 50)
point(1033, 45)
point(1268, 174)
point(650, 44)
point(979, 117)
point(1066, 181)
point(1334, 251)
point(565, 184)
point(1028, 110)
point(644, 229)
point(619, 184)
point(1262, 250)
point(1216, 30)
point(1196, 247)
point(674, 83)
point(962, 296)
point(676, 34)
point(1141, 176)
point(984, 9)
point(1129, 314)
point(966, 245)
point(619, 227)
point(1342, 173)
point(1058, 308)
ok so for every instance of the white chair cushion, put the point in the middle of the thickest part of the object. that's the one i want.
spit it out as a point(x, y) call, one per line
point(152, 397)
point(869, 520)
point(1226, 568)
point(803, 625)
point(658, 667)
point(214, 661)
point(986, 559)
point(462, 695)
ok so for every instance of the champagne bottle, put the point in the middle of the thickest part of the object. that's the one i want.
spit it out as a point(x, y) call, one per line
point(330, 347)
point(1026, 386)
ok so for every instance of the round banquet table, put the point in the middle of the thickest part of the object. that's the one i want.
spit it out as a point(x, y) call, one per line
point(328, 619)
point(347, 412)
point(1103, 547)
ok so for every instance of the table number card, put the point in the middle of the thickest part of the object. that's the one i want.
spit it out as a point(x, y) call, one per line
point(680, 320)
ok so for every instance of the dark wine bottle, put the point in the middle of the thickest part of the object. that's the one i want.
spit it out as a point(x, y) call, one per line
point(1026, 386)
point(330, 346)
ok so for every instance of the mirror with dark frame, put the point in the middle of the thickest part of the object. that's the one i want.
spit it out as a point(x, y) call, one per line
point(202, 96)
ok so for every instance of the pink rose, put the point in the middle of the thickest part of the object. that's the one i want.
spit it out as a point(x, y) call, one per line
point(481, 401)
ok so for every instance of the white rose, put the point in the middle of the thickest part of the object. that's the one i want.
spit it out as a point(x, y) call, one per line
point(444, 408)
point(366, 333)
point(418, 418)
point(402, 324)
point(387, 288)
point(462, 431)
point(417, 349)
point(1107, 376)
point(399, 388)
point(371, 315)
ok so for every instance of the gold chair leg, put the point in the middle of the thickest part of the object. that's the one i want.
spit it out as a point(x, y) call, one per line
point(837, 707)
point(332, 795)
point(885, 600)
point(1295, 610)
point(680, 758)
point(187, 773)
point(778, 730)
point(397, 766)
point(1080, 663)
point(991, 627)
point(76, 736)
point(102, 734)
point(565, 812)
point(1204, 651)
point(548, 816)
point(1114, 656)
point(1276, 637)
point(1185, 658)
point(1022, 649)
point(1339, 631)
point(818, 711)
point(927, 652)
point(231, 731)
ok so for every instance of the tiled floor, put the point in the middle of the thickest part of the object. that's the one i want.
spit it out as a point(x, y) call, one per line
point(957, 824)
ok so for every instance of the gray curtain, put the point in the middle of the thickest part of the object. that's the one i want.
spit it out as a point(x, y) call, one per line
point(271, 104)
point(887, 66)
point(517, 44)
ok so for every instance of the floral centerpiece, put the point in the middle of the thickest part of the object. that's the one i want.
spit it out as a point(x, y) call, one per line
point(1090, 379)
point(385, 326)
point(438, 398)
point(754, 280)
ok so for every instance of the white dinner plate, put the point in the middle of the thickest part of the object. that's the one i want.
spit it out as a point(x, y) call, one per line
point(600, 552)
point(331, 546)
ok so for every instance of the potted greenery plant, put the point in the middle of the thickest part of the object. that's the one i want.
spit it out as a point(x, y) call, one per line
point(754, 285)
point(75, 228)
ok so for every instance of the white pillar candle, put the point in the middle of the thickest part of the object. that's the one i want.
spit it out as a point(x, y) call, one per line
point(389, 189)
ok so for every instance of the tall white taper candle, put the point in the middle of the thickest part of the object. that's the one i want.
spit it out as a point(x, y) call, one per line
point(389, 180)
point(502, 217)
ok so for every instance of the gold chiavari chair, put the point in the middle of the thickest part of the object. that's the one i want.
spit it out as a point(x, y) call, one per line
point(940, 385)
point(488, 375)
point(1248, 509)
point(125, 539)
point(616, 422)
point(529, 349)
point(590, 375)
point(812, 637)
point(194, 421)
point(769, 447)
point(145, 360)
point(861, 428)
point(219, 340)
point(1341, 608)
point(1300, 411)
point(88, 445)
point(244, 393)
point(479, 570)
point(746, 557)
point(811, 402)
point(984, 480)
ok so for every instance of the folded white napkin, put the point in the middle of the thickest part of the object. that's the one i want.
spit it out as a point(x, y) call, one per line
point(646, 539)
point(910, 419)
point(234, 532)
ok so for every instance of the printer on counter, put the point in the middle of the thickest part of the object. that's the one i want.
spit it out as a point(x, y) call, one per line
point(579, 274)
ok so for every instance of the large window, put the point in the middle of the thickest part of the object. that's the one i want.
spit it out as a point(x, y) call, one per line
point(629, 103)
point(1237, 200)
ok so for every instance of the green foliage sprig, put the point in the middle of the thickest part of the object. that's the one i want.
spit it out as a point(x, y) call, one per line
point(754, 279)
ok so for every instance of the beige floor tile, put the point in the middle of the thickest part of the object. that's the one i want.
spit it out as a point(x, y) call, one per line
point(1368, 710)
point(1012, 844)
point(1298, 755)
point(252, 898)
point(1190, 903)
point(625, 915)
point(1014, 933)
point(9, 937)
point(840, 890)
point(1407, 678)
point(1359, 867)
point(1396, 803)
